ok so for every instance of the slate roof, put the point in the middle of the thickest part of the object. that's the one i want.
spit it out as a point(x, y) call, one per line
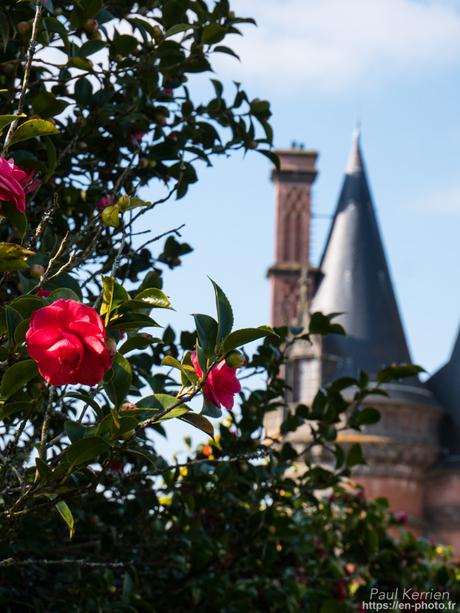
point(445, 384)
point(357, 281)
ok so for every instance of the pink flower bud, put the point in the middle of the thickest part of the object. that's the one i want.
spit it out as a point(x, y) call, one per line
point(128, 406)
point(146, 335)
point(136, 137)
point(37, 270)
point(116, 466)
point(91, 25)
point(341, 590)
point(42, 293)
point(401, 517)
point(24, 27)
point(105, 201)
point(111, 345)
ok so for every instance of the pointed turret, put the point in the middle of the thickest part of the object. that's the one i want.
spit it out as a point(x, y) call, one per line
point(445, 384)
point(357, 283)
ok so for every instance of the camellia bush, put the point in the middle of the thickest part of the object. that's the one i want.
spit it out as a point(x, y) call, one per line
point(95, 104)
point(97, 108)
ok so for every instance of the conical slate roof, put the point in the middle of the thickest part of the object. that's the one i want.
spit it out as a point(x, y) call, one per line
point(445, 384)
point(357, 282)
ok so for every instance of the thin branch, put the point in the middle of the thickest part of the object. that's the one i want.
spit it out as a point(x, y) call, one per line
point(47, 216)
point(67, 561)
point(26, 77)
point(175, 231)
point(261, 452)
point(45, 424)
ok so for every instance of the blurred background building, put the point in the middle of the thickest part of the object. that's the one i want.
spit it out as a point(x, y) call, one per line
point(413, 453)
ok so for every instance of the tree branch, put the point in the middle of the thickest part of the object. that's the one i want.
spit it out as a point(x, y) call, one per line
point(26, 77)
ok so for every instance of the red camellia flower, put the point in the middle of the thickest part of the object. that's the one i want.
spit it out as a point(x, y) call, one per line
point(221, 383)
point(15, 183)
point(67, 341)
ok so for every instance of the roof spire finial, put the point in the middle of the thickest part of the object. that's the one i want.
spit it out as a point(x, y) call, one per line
point(355, 164)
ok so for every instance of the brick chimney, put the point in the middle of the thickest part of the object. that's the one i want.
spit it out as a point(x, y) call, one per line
point(293, 212)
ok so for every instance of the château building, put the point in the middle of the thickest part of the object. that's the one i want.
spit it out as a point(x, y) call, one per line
point(413, 453)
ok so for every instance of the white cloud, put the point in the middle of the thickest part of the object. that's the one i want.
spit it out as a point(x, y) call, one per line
point(334, 45)
point(441, 200)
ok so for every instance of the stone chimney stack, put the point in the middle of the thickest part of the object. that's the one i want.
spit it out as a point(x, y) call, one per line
point(293, 183)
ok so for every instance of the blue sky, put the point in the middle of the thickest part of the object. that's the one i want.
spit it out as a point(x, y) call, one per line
point(394, 65)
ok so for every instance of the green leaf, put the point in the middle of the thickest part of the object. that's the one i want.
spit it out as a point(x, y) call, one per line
point(322, 324)
point(163, 402)
point(113, 295)
point(4, 30)
point(201, 356)
point(84, 90)
point(200, 422)
point(137, 342)
point(74, 430)
point(62, 293)
point(90, 47)
point(18, 220)
point(210, 409)
point(274, 159)
point(33, 128)
point(226, 50)
point(364, 417)
point(85, 450)
point(87, 399)
point(21, 331)
point(334, 606)
point(16, 376)
point(26, 305)
point(11, 408)
point(117, 380)
point(13, 257)
point(153, 298)
point(187, 371)
point(47, 105)
point(13, 319)
point(66, 514)
point(124, 44)
point(355, 455)
point(342, 383)
point(65, 281)
point(245, 335)
point(127, 203)
point(5, 120)
point(224, 313)
point(170, 361)
point(177, 29)
point(52, 158)
point(81, 63)
point(111, 216)
point(212, 33)
point(133, 321)
point(44, 471)
point(90, 7)
point(398, 371)
point(206, 328)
